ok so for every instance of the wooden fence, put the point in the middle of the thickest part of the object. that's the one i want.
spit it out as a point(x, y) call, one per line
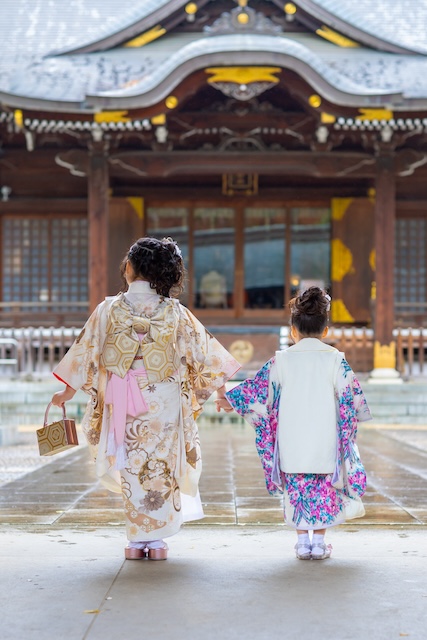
point(34, 350)
point(411, 351)
point(37, 350)
point(358, 346)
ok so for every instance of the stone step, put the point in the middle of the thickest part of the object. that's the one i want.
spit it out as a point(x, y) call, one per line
point(404, 403)
point(24, 403)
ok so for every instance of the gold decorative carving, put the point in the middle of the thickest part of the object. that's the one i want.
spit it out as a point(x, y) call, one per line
point(159, 120)
point(339, 207)
point(315, 101)
point(290, 8)
point(336, 38)
point(373, 290)
point(372, 260)
point(191, 8)
point(243, 18)
point(171, 102)
point(341, 260)
point(242, 351)
point(111, 116)
point(18, 118)
point(384, 355)
point(327, 118)
point(243, 75)
point(375, 114)
point(339, 312)
point(137, 205)
point(240, 184)
point(146, 37)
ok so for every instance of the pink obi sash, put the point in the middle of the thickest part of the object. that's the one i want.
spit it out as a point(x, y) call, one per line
point(126, 399)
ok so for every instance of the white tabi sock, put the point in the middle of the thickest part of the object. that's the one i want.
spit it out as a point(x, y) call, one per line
point(303, 538)
point(137, 545)
point(157, 544)
point(151, 544)
point(318, 538)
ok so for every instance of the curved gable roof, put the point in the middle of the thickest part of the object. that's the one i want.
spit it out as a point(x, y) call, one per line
point(31, 76)
point(397, 26)
point(38, 28)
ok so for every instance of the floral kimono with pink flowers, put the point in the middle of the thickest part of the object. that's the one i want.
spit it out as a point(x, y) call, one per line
point(148, 366)
point(310, 500)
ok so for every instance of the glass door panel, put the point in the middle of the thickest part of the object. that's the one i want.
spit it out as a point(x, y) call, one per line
point(171, 222)
point(264, 257)
point(214, 257)
point(310, 248)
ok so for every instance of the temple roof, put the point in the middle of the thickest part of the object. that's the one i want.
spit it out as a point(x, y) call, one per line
point(376, 22)
point(58, 56)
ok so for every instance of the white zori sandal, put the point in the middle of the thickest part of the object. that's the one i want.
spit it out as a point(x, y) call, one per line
point(302, 551)
point(320, 551)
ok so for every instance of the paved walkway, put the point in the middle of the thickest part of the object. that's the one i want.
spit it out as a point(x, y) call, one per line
point(65, 492)
point(63, 574)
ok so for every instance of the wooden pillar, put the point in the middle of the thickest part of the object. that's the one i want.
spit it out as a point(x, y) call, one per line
point(385, 210)
point(98, 186)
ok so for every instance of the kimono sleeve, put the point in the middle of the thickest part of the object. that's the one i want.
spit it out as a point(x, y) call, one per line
point(209, 364)
point(350, 395)
point(250, 399)
point(257, 401)
point(363, 412)
point(352, 408)
point(80, 366)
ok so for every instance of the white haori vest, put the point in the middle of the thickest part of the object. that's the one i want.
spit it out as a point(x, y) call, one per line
point(307, 425)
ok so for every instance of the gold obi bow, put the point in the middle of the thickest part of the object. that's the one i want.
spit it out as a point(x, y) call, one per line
point(122, 342)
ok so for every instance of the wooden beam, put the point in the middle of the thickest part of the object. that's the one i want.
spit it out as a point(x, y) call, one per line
point(283, 163)
point(53, 206)
point(98, 185)
point(385, 212)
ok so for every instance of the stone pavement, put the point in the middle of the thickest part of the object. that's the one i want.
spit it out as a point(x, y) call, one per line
point(231, 575)
point(233, 491)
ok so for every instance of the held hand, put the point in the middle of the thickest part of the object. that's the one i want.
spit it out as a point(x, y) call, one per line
point(222, 403)
point(60, 397)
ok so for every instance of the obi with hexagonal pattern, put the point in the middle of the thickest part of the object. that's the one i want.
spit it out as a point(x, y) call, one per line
point(156, 347)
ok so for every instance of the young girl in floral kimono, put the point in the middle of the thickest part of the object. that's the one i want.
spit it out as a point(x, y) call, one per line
point(148, 366)
point(305, 405)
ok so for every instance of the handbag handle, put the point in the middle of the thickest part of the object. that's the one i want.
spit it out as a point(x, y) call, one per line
point(64, 415)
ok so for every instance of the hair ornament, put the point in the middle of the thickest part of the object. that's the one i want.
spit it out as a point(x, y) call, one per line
point(174, 245)
point(136, 248)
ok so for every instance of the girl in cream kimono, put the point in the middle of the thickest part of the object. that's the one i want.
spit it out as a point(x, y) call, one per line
point(305, 405)
point(148, 366)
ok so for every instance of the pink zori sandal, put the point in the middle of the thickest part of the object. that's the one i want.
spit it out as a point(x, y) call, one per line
point(135, 554)
point(158, 554)
point(146, 552)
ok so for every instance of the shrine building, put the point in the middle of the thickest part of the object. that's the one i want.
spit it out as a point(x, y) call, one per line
point(281, 144)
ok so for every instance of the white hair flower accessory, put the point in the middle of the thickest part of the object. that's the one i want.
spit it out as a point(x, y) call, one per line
point(170, 241)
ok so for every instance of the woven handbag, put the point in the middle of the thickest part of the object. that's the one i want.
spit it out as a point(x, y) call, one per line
point(56, 436)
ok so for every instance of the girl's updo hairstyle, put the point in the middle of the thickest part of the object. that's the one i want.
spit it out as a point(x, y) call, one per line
point(309, 311)
point(160, 263)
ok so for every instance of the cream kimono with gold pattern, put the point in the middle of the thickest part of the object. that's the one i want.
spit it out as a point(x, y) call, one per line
point(184, 364)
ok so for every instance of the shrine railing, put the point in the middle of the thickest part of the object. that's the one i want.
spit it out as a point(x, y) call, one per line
point(358, 346)
point(34, 350)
